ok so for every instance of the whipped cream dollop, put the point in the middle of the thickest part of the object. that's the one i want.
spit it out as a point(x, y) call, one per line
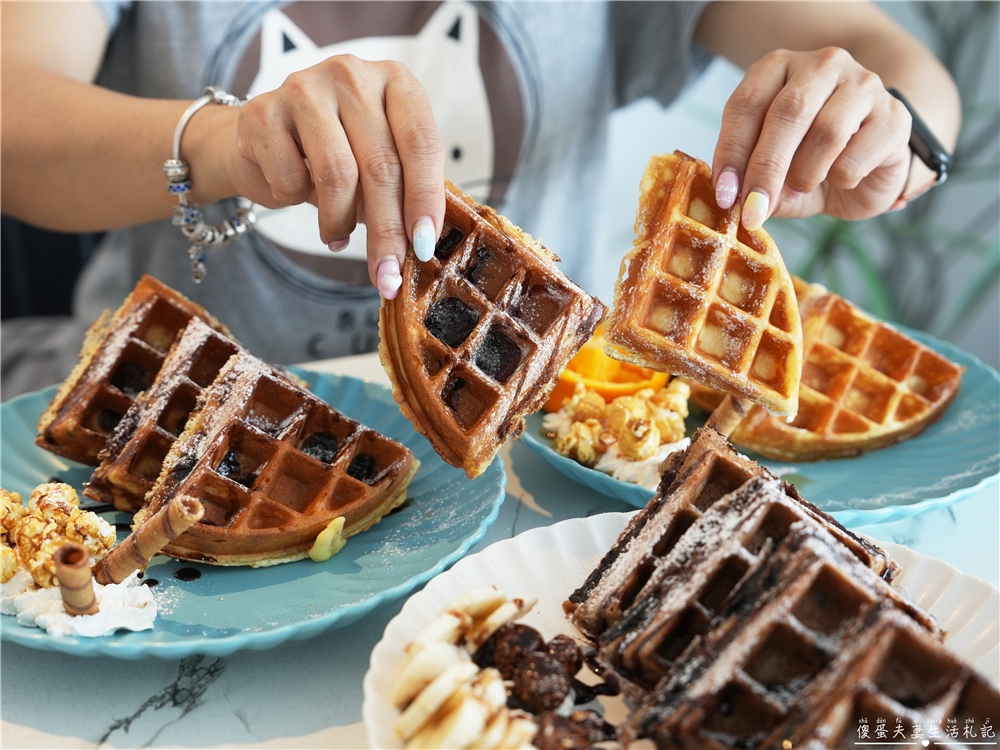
point(123, 606)
point(645, 473)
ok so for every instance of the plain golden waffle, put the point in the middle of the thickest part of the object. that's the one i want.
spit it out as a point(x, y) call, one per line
point(693, 482)
point(133, 456)
point(121, 356)
point(281, 474)
point(701, 296)
point(865, 385)
point(790, 643)
point(477, 336)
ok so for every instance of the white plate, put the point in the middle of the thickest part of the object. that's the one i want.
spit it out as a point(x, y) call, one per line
point(550, 562)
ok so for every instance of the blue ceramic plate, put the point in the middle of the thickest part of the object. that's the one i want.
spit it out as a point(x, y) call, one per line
point(227, 609)
point(954, 458)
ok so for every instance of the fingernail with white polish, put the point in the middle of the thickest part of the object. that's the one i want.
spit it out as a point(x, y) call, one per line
point(423, 239)
point(726, 188)
point(754, 211)
point(337, 245)
point(387, 276)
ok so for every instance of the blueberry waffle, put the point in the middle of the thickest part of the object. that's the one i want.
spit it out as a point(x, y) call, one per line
point(281, 474)
point(478, 335)
point(121, 356)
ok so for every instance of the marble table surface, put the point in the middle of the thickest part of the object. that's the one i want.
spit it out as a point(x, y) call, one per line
point(305, 694)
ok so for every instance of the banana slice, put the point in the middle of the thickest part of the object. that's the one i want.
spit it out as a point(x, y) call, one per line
point(456, 724)
point(430, 661)
point(489, 688)
point(478, 603)
point(495, 730)
point(450, 626)
point(520, 733)
point(505, 613)
point(432, 697)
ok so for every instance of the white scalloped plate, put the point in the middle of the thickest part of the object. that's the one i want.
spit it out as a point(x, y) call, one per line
point(550, 562)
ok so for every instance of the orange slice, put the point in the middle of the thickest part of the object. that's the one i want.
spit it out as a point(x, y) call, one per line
point(609, 377)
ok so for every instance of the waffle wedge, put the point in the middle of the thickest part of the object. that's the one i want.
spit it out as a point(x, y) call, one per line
point(281, 474)
point(865, 385)
point(133, 457)
point(477, 336)
point(700, 296)
point(121, 356)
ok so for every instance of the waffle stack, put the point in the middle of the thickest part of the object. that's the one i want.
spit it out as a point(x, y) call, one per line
point(693, 482)
point(133, 457)
point(121, 357)
point(865, 385)
point(701, 296)
point(281, 474)
point(477, 336)
point(736, 615)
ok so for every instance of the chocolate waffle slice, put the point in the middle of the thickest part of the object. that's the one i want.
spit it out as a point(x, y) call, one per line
point(477, 336)
point(701, 296)
point(693, 482)
point(894, 672)
point(689, 592)
point(133, 457)
point(782, 646)
point(281, 474)
point(865, 385)
point(121, 356)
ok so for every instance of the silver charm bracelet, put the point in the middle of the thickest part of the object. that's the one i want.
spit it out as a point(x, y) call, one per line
point(205, 238)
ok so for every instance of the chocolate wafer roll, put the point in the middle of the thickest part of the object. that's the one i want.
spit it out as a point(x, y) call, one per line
point(728, 415)
point(76, 582)
point(148, 539)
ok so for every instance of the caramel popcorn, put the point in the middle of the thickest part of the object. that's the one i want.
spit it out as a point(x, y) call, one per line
point(585, 404)
point(11, 511)
point(670, 425)
point(53, 518)
point(582, 442)
point(639, 423)
point(638, 439)
point(674, 396)
point(623, 410)
point(8, 563)
point(53, 500)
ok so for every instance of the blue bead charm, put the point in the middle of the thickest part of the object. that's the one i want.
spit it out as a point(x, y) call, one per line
point(186, 214)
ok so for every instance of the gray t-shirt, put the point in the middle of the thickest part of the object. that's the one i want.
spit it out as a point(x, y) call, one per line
point(521, 93)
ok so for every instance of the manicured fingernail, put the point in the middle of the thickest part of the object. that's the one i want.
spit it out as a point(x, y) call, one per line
point(423, 239)
point(754, 211)
point(387, 276)
point(337, 245)
point(726, 188)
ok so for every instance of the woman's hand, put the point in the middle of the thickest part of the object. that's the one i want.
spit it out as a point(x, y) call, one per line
point(357, 139)
point(811, 132)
